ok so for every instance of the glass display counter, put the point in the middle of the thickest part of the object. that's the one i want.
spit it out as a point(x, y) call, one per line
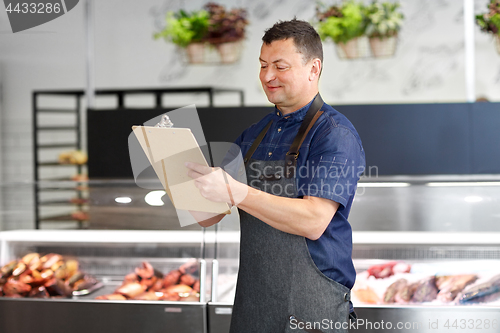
point(422, 221)
point(429, 223)
point(126, 297)
point(143, 280)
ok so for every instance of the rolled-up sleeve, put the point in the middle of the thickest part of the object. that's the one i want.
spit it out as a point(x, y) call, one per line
point(334, 163)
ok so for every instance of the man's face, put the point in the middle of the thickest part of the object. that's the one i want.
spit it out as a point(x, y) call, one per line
point(284, 76)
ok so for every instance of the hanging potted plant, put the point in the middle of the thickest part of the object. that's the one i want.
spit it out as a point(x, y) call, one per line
point(384, 23)
point(187, 31)
point(490, 22)
point(226, 30)
point(345, 26)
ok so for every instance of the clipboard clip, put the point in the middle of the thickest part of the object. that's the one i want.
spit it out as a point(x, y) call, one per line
point(165, 122)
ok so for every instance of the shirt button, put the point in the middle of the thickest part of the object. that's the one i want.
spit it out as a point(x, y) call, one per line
point(270, 153)
point(279, 130)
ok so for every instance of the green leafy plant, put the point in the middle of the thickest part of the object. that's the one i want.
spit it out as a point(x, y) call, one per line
point(490, 22)
point(383, 19)
point(184, 28)
point(342, 23)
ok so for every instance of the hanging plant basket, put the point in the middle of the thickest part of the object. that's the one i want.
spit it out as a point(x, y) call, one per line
point(209, 53)
point(195, 53)
point(383, 47)
point(354, 49)
point(229, 52)
point(489, 21)
point(212, 35)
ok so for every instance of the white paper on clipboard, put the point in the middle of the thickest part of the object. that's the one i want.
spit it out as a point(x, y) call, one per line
point(167, 149)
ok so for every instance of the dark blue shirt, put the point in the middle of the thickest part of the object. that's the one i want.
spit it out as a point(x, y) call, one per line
point(331, 160)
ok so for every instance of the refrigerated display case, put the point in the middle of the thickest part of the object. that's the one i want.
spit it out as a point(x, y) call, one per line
point(108, 255)
point(430, 255)
point(426, 221)
point(431, 222)
point(442, 226)
point(223, 278)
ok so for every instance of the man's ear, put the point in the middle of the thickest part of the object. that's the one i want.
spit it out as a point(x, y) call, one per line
point(315, 69)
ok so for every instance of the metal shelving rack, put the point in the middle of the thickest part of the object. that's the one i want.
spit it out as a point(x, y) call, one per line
point(37, 146)
point(79, 186)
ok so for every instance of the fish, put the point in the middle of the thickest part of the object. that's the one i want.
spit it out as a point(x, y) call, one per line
point(393, 289)
point(15, 288)
point(131, 290)
point(7, 270)
point(147, 296)
point(449, 289)
point(426, 291)
point(483, 292)
point(115, 297)
point(366, 295)
point(381, 271)
point(443, 280)
point(405, 294)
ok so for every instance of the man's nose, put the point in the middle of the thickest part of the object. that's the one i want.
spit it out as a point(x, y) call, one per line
point(269, 74)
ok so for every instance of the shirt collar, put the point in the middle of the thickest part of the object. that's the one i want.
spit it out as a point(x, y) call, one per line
point(297, 115)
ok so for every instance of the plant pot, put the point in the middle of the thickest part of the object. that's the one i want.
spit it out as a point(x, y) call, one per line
point(350, 49)
point(497, 43)
point(383, 47)
point(196, 53)
point(229, 52)
point(353, 49)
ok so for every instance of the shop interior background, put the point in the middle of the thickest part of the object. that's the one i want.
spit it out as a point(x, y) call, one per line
point(428, 68)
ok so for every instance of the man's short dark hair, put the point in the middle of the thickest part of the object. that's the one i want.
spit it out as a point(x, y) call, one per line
point(305, 38)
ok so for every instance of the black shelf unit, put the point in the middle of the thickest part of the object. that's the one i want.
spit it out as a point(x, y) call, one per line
point(39, 185)
point(79, 187)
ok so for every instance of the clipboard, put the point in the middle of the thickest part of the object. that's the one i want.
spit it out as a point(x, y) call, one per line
point(167, 149)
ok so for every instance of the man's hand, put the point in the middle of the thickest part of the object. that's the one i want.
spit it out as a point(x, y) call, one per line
point(216, 185)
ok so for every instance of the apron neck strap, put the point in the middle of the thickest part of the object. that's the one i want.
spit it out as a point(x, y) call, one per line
point(313, 113)
point(256, 143)
point(310, 118)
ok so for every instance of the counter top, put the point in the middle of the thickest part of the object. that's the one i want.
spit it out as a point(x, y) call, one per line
point(196, 236)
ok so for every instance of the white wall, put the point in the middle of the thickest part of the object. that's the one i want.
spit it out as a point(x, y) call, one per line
point(1, 146)
point(428, 66)
point(50, 56)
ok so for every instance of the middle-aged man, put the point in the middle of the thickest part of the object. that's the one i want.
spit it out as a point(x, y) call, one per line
point(303, 161)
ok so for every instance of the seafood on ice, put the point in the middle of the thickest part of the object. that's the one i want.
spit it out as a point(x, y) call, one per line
point(148, 284)
point(387, 284)
point(46, 276)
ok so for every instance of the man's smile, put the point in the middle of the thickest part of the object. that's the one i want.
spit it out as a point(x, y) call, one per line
point(272, 88)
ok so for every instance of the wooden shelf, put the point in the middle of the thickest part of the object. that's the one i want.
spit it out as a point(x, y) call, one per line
point(61, 218)
point(58, 145)
point(57, 128)
point(68, 111)
point(62, 203)
point(63, 179)
point(55, 189)
point(55, 163)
